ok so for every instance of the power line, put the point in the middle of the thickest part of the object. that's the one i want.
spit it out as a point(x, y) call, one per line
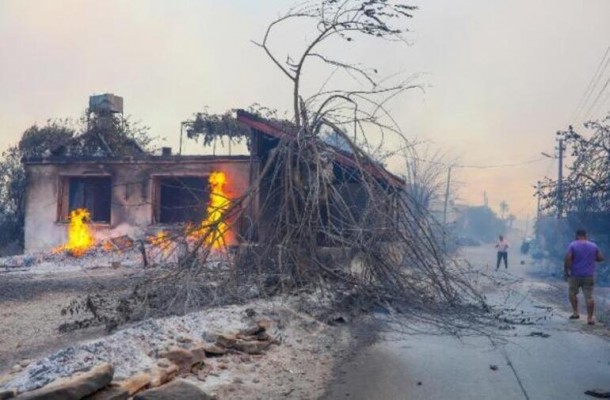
point(603, 103)
point(516, 164)
point(488, 166)
point(594, 104)
point(590, 88)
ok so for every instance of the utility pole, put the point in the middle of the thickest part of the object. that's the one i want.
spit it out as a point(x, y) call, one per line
point(445, 208)
point(560, 181)
point(446, 197)
point(559, 192)
point(182, 124)
point(539, 195)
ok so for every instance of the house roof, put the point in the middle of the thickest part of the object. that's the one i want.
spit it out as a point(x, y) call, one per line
point(97, 143)
point(150, 159)
point(95, 147)
point(287, 131)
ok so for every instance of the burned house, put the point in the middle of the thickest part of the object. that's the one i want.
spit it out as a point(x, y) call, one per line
point(129, 191)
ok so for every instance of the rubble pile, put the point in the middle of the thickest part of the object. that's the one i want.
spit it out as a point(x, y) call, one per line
point(115, 252)
point(54, 262)
point(174, 375)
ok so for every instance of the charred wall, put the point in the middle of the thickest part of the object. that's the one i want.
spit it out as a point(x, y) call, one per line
point(54, 187)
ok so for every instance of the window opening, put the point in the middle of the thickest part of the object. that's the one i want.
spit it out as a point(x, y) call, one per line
point(182, 199)
point(92, 193)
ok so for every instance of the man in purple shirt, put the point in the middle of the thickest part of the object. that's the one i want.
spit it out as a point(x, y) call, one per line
point(579, 269)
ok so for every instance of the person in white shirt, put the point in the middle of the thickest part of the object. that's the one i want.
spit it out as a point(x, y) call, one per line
point(502, 246)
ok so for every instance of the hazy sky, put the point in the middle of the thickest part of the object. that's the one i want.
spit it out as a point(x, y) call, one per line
point(501, 76)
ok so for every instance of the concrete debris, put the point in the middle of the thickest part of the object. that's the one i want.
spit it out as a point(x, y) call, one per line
point(253, 340)
point(136, 383)
point(199, 356)
point(184, 359)
point(75, 387)
point(97, 383)
point(113, 253)
point(112, 392)
point(251, 346)
point(7, 394)
point(226, 341)
point(202, 375)
point(178, 389)
point(213, 350)
point(163, 375)
point(207, 348)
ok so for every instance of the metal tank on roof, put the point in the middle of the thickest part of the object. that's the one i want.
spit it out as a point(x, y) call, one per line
point(107, 103)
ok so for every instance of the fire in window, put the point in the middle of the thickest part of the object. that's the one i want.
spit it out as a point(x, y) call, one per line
point(91, 193)
point(182, 199)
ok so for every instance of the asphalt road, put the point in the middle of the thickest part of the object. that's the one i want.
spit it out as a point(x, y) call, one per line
point(572, 359)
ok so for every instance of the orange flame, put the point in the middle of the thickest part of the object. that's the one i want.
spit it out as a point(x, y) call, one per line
point(214, 228)
point(107, 246)
point(162, 241)
point(80, 239)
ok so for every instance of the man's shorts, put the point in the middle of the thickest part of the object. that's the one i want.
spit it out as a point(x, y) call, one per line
point(584, 282)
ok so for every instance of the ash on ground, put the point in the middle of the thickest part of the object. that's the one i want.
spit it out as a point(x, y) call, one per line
point(299, 365)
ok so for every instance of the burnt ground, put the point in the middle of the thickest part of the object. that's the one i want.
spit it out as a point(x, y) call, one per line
point(299, 366)
point(31, 287)
point(31, 304)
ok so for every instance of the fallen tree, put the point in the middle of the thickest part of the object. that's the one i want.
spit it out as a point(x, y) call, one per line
point(375, 250)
